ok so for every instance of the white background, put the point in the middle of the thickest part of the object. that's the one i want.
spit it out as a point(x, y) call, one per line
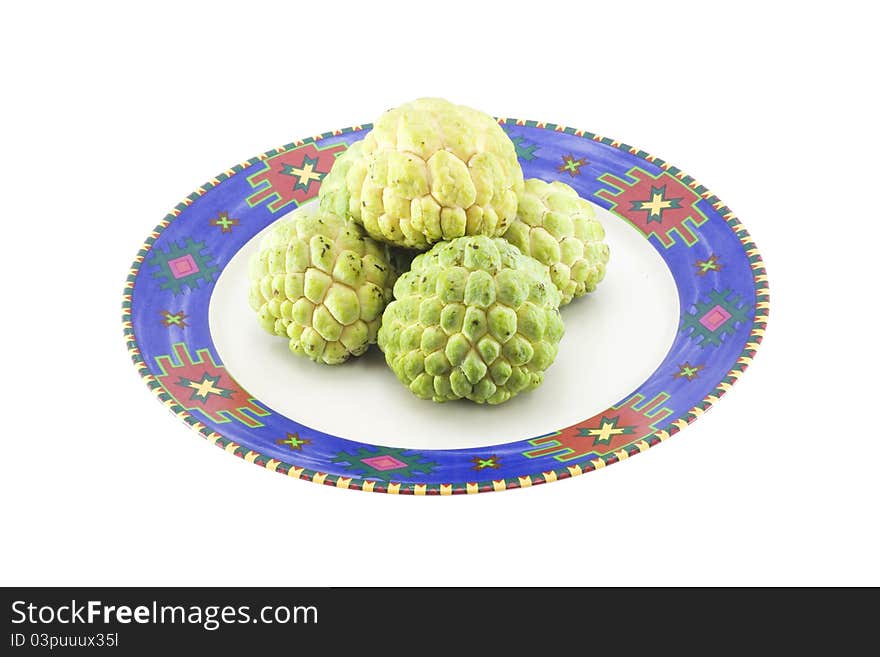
point(111, 114)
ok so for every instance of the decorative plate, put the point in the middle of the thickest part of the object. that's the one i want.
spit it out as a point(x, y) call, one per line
point(674, 325)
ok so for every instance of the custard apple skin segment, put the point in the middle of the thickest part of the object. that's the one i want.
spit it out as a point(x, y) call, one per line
point(318, 281)
point(429, 171)
point(334, 195)
point(473, 318)
point(559, 229)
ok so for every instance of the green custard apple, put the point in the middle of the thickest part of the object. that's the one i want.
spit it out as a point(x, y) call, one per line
point(559, 229)
point(428, 171)
point(473, 318)
point(321, 283)
point(333, 194)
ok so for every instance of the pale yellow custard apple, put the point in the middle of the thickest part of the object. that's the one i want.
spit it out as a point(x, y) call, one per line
point(321, 283)
point(559, 229)
point(473, 318)
point(334, 195)
point(428, 171)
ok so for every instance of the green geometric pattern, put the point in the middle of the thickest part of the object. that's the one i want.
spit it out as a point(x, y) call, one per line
point(385, 463)
point(711, 320)
point(182, 266)
point(524, 150)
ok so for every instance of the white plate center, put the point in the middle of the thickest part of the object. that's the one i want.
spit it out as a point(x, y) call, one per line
point(614, 339)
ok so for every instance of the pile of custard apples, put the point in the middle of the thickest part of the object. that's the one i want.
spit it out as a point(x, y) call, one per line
point(428, 241)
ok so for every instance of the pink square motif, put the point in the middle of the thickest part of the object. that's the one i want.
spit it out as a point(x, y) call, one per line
point(714, 318)
point(183, 266)
point(384, 462)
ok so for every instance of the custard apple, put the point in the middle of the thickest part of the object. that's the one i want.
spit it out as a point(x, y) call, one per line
point(474, 318)
point(320, 282)
point(333, 194)
point(428, 171)
point(559, 229)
